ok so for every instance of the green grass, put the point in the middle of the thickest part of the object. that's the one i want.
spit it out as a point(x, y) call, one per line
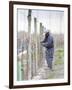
point(58, 62)
point(59, 54)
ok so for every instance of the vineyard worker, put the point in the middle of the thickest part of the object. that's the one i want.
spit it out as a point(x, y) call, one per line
point(48, 43)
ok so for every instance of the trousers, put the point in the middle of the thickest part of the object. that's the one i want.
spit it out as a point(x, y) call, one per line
point(49, 57)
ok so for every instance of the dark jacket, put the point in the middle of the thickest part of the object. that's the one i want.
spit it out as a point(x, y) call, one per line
point(48, 43)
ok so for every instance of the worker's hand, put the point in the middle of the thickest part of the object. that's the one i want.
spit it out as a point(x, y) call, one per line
point(41, 42)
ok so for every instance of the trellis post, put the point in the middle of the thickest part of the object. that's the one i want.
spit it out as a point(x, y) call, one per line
point(36, 46)
point(41, 48)
point(29, 46)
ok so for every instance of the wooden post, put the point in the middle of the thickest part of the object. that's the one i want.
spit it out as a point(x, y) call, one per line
point(29, 47)
point(41, 48)
point(34, 56)
point(35, 28)
point(32, 60)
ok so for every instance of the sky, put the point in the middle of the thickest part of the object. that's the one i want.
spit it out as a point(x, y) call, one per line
point(50, 19)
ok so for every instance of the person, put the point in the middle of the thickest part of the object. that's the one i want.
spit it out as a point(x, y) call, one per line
point(48, 43)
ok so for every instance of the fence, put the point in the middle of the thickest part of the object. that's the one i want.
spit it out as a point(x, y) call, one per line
point(31, 57)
